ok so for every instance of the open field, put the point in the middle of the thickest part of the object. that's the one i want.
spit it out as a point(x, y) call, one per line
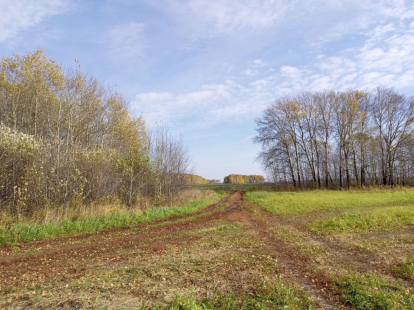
point(254, 250)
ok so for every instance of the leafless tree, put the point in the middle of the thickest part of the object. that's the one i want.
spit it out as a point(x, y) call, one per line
point(352, 138)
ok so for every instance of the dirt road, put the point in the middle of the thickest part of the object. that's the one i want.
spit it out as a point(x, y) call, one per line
point(231, 246)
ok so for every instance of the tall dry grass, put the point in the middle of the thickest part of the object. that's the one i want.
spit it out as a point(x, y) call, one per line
point(55, 214)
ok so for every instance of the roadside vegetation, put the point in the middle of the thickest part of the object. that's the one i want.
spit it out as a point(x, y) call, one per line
point(103, 218)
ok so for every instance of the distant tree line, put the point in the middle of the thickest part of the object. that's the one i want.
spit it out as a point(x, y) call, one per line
point(215, 181)
point(195, 179)
point(67, 139)
point(339, 139)
point(241, 179)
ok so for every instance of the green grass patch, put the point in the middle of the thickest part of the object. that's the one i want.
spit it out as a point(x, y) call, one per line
point(265, 295)
point(26, 232)
point(367, 292)
point(404, 271)
point(387, 218)
point(282, 203)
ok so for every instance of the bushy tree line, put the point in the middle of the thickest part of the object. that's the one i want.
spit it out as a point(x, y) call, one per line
point(339, 139)
point(65, 138)
point(241, 179)
point(195, 179)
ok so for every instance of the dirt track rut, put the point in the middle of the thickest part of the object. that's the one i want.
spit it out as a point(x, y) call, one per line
point(73, 257)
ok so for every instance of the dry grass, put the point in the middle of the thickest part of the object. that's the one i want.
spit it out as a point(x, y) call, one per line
point(50, 214)
point(50, 223)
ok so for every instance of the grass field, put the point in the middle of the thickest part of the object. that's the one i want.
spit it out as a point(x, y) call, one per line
point(253, 250)
point(363, 240)
point(283, 203)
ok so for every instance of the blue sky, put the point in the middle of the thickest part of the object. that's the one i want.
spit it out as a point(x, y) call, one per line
point(208, 68)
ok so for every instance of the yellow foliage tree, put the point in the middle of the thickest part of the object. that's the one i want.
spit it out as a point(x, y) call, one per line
point(241, 179)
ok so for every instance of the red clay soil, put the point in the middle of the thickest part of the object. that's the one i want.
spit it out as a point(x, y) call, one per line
point(72, 261)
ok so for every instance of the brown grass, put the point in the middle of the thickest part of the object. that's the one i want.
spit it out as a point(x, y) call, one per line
point(50, 214)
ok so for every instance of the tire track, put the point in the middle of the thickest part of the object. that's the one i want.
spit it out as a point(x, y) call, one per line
point(75, 261)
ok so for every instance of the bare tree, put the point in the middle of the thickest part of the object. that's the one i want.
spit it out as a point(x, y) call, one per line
point(353, 138)
point(393, 115)
point(170, 162)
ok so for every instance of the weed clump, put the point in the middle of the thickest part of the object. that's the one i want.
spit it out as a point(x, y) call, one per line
point(264, 295)
point(404, 271)
point(366, 292)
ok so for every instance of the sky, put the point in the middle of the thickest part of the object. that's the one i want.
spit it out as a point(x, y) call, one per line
point(208, 68)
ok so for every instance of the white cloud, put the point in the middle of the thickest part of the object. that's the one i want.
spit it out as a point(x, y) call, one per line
point(291, 72)
point(165, 107)
point(154, 97)
point(385, 57)
point(259, 62)
point(127, 42)
point(254, 67)
point(250, 72)
point(217, 17)
point(320, 21)
point(201, 19)
point(401, 9)
point(260, 85)
point(20, 15)
point(381, 30)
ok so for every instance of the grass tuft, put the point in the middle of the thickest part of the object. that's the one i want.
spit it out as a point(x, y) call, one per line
point(404, 271)
point(367, 292)
point(264, 295)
